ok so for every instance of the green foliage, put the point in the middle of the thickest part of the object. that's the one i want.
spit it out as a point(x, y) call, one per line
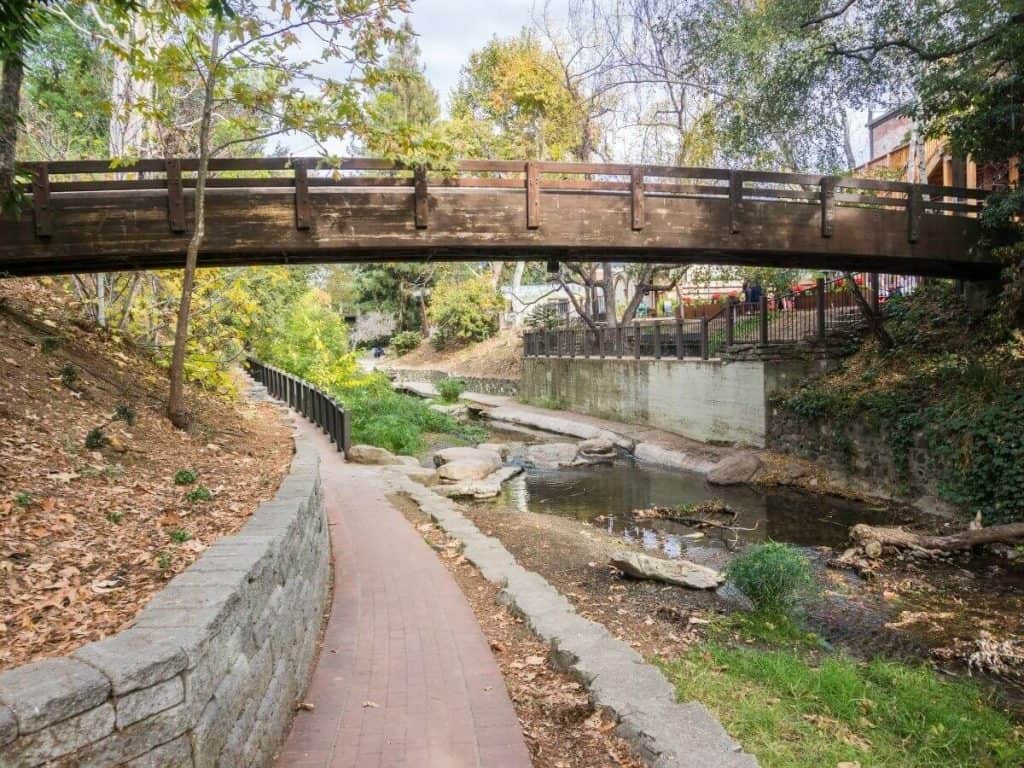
point(464, 312)
point(163, 560)
point(48, 344)
point(185, 477)
point(180, 535)
point(791, 713)
point(450, 388)
point(69, 376)
point(96, 439)
point(115, 517)
point(23, 499)
point(954, 386)
point(513, 102)
point(776, 629)
point(126, 414)
point(199, 493)
point(405, 341)
point(772, 574)
point(543, 317)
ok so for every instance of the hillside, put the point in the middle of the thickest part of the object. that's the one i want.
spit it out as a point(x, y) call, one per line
point(92, 521)
point(497, 357)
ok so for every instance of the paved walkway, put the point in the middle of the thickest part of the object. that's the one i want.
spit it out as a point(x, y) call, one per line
point(405, 676)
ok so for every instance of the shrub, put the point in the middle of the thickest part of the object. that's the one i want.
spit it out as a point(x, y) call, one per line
point(404, 342)
point(199, 493)
point(115, 517)
point(49, 344)
point(23, 499)
point(185, 477)
point(180, 535)
point(96, 439)
point(771, 574)
point(126, 414)
point(69, 375)
point(464, 312)
point(450, 388)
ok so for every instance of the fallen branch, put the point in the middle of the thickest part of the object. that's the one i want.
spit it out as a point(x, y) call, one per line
point(872, 538)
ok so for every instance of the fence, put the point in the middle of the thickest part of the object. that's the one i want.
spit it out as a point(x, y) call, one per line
point(831, 305)
point(320, 408)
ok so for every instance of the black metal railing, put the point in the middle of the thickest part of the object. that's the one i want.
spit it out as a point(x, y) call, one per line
point(317, 406)
point(811, 313)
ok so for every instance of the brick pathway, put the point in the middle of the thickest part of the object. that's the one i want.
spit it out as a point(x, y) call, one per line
point(405, 676)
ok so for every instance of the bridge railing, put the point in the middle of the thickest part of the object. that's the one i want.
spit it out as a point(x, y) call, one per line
point(300, 175)
point(806, 314)
point(314, 404)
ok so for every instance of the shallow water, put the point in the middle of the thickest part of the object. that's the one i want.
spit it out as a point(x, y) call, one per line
point(606, 496)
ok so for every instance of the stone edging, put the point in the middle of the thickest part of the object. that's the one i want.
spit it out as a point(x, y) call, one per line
point(488, 385)
point(211, 668)
point(665, 733)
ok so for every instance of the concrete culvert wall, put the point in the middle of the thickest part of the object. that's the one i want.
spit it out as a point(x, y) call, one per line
point(210, 672)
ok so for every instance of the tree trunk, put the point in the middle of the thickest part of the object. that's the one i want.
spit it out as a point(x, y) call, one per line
point(638, 296)
point(873, 319)
point(517, 284)
point(863, 535)
point(608, 289)
point(10, 115)
point(176, 411)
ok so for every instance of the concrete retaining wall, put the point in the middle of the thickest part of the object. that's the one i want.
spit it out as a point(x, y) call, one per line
point(210, 671)
point(707, 400)
point(483, 385)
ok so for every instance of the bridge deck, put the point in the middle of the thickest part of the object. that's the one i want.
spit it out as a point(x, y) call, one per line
point(82, 216)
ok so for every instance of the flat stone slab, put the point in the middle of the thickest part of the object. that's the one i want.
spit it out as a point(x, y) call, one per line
point(737, 469)
point(682, 573)
point(418, 388)
point(487, 488)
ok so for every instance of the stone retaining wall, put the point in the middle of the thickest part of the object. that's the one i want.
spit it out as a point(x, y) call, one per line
point(483, 385)
point(210, 671)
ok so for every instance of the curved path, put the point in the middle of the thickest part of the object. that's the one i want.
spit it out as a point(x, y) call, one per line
point(405, 676)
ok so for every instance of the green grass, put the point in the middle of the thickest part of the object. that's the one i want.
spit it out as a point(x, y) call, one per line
point(775, 629)
point(399, 422)
point(791, 713)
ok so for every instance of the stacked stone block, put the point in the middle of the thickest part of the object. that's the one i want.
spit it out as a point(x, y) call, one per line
point(210, 671)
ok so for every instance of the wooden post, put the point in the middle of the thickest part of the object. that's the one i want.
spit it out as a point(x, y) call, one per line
point(532, 196)
point(705, 345)
point(618, 341)
point(420, 196)
point(41, 202)
point(303, 209)
point(828, 205)
point(735, 200)
point(874, 292)
point(657, 340)
point(636, 183)
point(819, 305)
point(175, 195)
point(730, 325)
point(914, 206)
point(763, 313)
point(680, 349)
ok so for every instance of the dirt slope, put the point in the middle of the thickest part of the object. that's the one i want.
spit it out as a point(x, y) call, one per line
point(87, 535)
point(498, 357)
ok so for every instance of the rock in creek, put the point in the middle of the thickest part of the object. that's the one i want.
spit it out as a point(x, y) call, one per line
point(556, 455)
point(682, 573)
point(597, 447)
point(487, 488)
point(736, 469)
point(468, 469)
point(448, 455)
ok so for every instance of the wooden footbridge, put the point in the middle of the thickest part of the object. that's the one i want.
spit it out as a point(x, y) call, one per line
point(81, 216)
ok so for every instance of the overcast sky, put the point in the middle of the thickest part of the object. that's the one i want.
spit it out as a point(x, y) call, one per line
point(449, 30)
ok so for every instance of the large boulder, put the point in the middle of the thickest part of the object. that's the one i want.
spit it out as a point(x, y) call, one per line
point(682, 573)
point(598, 448)
point(467, 469)
point(371, 454)
point(736, 469)
point(448, 455)
point(552, 455)
point(487, 488)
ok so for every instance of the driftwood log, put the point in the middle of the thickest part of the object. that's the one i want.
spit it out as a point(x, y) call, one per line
point(870, 538)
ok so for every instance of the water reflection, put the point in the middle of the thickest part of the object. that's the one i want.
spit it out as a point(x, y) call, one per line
point(607, 495)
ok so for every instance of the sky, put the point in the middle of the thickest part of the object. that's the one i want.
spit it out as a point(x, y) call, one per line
point(449, 30)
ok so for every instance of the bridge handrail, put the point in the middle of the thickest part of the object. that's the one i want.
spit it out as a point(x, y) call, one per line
point(535, 176)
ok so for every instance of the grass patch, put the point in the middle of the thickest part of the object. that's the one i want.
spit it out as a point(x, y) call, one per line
point(791, 713)
point(385, 418)
point(776, 629)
